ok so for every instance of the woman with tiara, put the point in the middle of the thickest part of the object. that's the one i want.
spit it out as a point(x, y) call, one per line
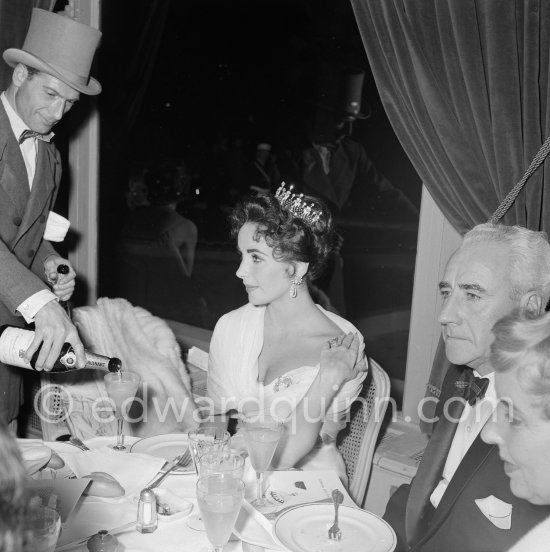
point(281, 353)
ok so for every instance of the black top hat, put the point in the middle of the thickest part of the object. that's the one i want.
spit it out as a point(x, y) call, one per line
point(339, 91)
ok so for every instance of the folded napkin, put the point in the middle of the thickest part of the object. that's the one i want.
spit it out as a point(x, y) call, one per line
point(133, 471)
point(56, 227)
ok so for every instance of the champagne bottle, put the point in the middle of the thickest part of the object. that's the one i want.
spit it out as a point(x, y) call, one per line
point(14, 343)
point(63, 269)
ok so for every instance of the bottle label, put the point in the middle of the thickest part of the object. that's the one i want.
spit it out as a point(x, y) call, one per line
point(96, 361)
point(14, 343)
point(68, 359)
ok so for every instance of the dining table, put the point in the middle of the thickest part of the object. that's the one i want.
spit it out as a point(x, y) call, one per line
point(145, 458)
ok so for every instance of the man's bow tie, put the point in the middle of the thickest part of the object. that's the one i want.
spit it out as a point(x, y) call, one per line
point(474, 390)
point(32, 134)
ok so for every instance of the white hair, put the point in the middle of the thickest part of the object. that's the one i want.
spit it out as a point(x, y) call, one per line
point(529, 255)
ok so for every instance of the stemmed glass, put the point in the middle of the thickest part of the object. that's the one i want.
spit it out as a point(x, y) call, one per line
point(219, 497)
point(262, 434)
point(121, 388)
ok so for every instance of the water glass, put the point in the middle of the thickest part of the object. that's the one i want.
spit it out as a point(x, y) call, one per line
point(41, 529)
point(219, 497)
point(225, 461)
point(205, 440)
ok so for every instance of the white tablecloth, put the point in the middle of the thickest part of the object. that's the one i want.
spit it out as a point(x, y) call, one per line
point(172, 534)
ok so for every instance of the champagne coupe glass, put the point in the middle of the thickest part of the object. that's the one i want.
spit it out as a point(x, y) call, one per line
point(219, 496)
point(261, 435)
point(225, 461)
point(121, 388)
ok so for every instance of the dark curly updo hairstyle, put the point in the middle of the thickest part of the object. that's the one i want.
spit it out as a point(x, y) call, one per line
point(291, 238)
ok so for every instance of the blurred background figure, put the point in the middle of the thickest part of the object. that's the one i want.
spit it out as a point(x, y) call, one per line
point(336, 168)
point(137, 195)
point(156, 250)
point(160, 191)
point(333, 165)
point(263, 174)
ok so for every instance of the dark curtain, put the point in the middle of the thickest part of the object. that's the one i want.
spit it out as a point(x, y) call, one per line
point(465, 86)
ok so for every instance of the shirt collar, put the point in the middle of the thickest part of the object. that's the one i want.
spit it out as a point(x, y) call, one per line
point(16, 123)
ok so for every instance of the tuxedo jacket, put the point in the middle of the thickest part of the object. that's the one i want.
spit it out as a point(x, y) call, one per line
point(458, 524)
point(23, 215)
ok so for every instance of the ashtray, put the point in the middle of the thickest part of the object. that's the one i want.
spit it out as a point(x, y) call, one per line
point(170, 505)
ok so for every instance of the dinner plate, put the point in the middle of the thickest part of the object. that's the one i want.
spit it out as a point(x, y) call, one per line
point(305, 528)
point(165, 446)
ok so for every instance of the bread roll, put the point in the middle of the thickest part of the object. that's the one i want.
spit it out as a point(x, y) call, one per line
point(103, 485)
point(56, 462)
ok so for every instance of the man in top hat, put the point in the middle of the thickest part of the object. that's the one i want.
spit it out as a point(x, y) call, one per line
point(334, 165)
point(49, 74)
point(336, 168)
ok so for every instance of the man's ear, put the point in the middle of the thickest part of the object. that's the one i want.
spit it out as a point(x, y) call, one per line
point(19, 75)
point(532, 302)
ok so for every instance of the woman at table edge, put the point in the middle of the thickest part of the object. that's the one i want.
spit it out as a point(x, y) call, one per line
point(521, 427)
point(281, 352)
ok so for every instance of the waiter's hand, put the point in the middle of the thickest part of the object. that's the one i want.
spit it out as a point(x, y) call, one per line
point(53, 328)
point(62, 284)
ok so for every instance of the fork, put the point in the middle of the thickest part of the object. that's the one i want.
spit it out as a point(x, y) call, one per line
point(334, 532)
point(180, 462)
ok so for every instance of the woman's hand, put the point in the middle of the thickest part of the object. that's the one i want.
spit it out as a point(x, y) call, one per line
point(341, 360)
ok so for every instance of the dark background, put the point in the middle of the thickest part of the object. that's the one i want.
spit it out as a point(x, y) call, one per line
point(182, 77)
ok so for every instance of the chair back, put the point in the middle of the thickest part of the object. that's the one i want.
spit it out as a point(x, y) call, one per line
point(357, 441)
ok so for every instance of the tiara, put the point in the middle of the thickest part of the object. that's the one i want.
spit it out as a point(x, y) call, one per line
point(297, 205)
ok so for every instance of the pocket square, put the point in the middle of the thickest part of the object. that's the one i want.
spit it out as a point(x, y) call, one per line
point(499, 513)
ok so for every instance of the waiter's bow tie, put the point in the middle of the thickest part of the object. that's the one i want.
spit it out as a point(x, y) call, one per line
point(474, 390)
point(32, 134)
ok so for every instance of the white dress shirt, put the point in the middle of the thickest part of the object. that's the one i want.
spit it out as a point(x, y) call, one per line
point(324, 154)
point(471, 423)
point(29, 150)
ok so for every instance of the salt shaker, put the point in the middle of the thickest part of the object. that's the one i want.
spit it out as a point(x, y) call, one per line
point(103, 542)
point(147, 512)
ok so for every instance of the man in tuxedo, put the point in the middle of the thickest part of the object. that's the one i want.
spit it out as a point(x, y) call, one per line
point(460, 498)
point(49, 74)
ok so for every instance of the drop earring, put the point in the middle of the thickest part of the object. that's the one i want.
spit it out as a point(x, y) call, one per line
point(294, 283)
